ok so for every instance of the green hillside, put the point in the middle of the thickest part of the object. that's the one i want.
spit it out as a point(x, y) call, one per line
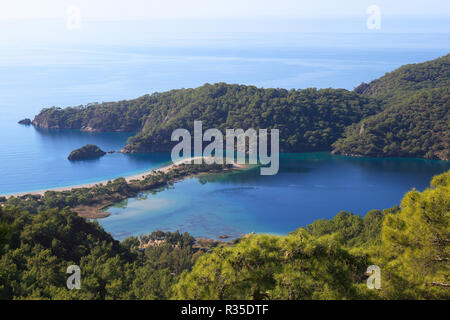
point(415, 121)
point(309, 120)
point(401, 82)
point(417, 126)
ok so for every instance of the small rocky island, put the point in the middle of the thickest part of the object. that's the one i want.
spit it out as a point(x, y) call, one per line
point(89, 151)
point(25, 121)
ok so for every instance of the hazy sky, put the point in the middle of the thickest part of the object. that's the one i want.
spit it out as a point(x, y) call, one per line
point(115, 10)
point(142, 21)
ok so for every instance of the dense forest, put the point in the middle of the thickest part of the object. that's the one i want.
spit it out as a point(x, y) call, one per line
point(308, 120)
point(399, 83)
point(415, 118)
point(417, 126)
point(325, 260)
point(399, 114)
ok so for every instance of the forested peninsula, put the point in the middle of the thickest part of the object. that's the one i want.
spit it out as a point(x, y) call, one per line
point(309, 120)
point(404, 113)
point(89, 201)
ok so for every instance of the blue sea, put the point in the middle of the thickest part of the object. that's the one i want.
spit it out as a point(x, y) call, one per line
point(38, 75)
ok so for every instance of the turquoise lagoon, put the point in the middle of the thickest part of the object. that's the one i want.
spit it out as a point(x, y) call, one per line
point(308, 187)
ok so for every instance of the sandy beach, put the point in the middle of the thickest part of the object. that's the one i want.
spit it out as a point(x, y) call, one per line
point(127, 178)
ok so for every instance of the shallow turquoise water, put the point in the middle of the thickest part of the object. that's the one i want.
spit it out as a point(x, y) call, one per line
point(308, 187)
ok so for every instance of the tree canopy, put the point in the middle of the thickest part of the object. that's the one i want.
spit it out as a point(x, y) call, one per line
point(417, 126)
point(308, 120)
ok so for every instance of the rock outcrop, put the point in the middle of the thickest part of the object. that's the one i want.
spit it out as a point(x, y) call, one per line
point(25, 121)
point(89, 151)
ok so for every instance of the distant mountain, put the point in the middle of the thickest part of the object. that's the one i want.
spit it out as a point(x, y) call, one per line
point(415, 121)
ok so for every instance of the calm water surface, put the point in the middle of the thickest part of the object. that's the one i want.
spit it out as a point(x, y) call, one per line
point(308, 187)
point(34, 159)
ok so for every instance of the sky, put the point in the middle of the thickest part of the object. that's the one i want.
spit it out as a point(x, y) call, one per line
point(118, 10)
point(133, 21)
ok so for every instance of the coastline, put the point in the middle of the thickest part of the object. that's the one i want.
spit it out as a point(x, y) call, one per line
point(130, 178)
